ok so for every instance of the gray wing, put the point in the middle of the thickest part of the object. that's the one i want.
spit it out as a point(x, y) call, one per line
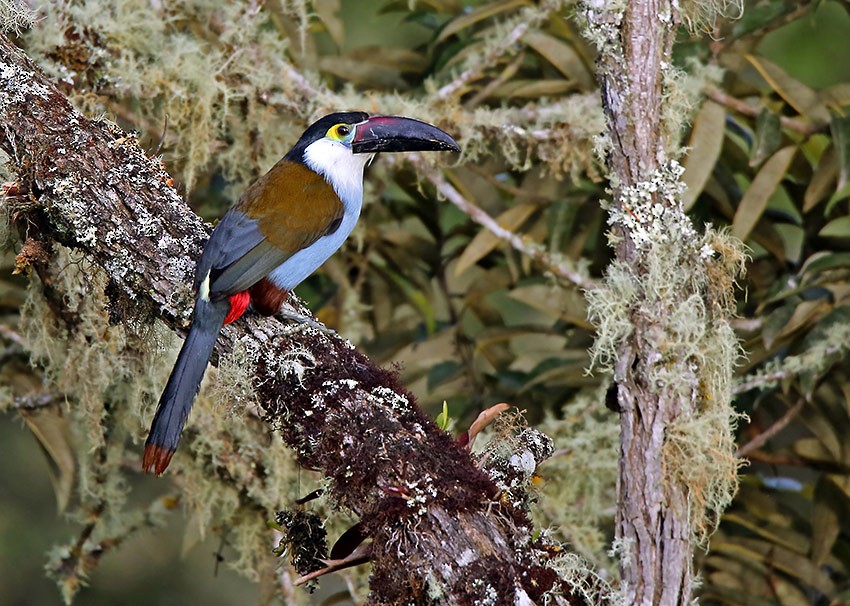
point(237, 255)
point(248, 269)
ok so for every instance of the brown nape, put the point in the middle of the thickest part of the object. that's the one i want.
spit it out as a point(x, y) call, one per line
point(156, 459)
point(266, 298)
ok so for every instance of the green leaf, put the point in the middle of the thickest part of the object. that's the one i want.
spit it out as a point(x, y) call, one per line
point(842, 194)
point(821, 261)
point(565, 59)
point(479, 14)
point(774, 323)
point(442, 372)
point(561, 304)
point(822, 179)
point(443, 418)
point(827, 514)
point(805, 313)
point(328, 11)
point(768, 136)
point(793, 237)
point(705, 145)
point(781, 205)
point(419, 299)
point(837, 228)
point(755, 199)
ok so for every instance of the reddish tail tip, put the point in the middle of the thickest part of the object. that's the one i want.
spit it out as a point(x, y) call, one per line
point(156, 459)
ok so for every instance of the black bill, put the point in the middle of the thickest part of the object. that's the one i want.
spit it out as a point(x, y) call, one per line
point(398, 134)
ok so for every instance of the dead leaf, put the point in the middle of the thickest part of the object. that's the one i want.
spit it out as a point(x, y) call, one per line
point(484, 419)
point(799, 96)
point(823, 178)
point(348, 541)
point(52, 430)
point(565, 59)
point(484, 242)
point(755, 199)
point(705, 145)
point(479, 14)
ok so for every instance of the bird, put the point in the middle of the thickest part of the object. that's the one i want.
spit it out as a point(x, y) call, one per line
point(285, 225)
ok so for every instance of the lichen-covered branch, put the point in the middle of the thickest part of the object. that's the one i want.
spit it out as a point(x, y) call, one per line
point(662, 314)
point(457, 85)
point(558, 267)
point(437, 520)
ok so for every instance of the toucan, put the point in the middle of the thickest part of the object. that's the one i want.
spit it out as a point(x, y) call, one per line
point(281, 230)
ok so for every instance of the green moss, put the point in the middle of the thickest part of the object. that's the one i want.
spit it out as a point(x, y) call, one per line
point(609, 308)
point(584, 582)
point(583, 473)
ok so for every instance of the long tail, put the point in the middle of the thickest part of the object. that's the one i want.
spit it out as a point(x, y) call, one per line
point(183, 385)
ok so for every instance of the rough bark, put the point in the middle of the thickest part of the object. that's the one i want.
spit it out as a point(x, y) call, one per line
point(442, 533)
point(652, 526)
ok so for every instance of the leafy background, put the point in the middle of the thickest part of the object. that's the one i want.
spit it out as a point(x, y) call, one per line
point(470, 320)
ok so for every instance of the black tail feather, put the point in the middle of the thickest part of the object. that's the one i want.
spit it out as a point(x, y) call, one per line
point(183, 385)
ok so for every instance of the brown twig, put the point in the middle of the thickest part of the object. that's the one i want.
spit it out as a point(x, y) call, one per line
point(760, 381)
point(721, 44)
point(778, 425)
point(534, 251)
point(359, 556)
point(742, 107)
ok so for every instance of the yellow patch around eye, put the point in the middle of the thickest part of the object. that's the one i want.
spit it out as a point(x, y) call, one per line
point(338, 132)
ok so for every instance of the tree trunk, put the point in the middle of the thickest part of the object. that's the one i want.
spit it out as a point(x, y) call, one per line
point(659, 272)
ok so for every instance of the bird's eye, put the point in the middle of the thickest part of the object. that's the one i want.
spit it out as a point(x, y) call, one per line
point(339, 132)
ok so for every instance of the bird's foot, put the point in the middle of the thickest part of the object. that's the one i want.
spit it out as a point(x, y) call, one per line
point(294, 316)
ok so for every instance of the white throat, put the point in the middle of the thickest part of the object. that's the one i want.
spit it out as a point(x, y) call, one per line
point(344, 171)
point(340, 167)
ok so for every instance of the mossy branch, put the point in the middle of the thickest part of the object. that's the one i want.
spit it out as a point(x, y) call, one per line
point(435, 518)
